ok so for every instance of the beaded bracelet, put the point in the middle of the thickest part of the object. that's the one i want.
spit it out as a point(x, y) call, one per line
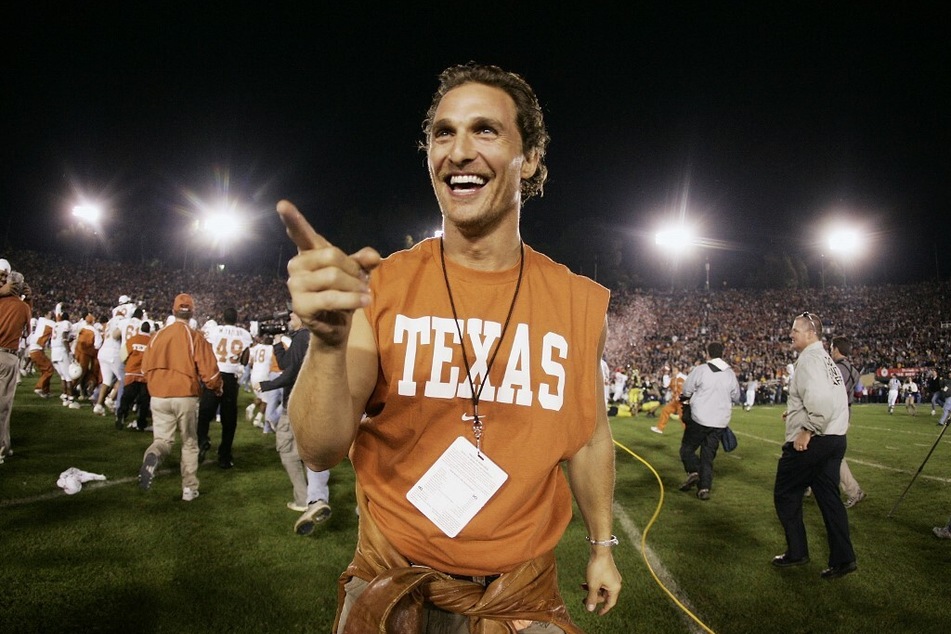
point(606, 542)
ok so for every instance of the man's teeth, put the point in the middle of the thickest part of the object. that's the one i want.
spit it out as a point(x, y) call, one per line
point(466, 180)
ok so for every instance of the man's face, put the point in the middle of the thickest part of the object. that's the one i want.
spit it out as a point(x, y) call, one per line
point(294, 322)
point(801, 334)
point(475, 158)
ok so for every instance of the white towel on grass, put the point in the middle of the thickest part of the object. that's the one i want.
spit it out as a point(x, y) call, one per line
point(72, 480)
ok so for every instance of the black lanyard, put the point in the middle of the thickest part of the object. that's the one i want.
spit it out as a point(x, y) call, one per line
point(477, 426)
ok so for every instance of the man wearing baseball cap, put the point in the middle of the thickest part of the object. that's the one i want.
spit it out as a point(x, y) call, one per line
point(177, 363)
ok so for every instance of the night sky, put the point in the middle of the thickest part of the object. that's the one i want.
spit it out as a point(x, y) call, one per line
point(760, 124)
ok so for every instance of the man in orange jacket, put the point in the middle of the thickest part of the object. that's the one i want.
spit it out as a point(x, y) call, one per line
point(178, 361)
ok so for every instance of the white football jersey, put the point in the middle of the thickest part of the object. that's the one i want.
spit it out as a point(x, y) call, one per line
point(124, 310)
point(110, 345)
point(42, 323)
point(262, 356)
point(60, 341)
point(229, 342)
point(128, 328)
point(61, 331)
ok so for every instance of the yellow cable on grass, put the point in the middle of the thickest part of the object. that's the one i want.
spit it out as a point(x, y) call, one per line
point(660, 503)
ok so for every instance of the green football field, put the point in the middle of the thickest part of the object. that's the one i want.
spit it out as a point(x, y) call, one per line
point(114, 559)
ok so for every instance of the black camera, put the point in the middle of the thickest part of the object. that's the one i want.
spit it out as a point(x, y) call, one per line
point(272, 327)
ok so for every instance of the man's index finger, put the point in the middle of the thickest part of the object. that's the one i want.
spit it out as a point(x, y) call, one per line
point(298, 229)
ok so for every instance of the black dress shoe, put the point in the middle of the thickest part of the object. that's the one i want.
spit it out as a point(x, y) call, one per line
point(690, 482)
point(784, 561)
point(834, 572)
point(203, 447)
point(225, 463)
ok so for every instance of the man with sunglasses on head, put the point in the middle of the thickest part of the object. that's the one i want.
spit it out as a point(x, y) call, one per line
point(817, 419)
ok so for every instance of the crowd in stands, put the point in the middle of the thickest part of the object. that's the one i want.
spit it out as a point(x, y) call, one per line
point(890, 326)
point(96, 285)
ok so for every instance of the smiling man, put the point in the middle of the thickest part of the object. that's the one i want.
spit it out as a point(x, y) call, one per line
point(459, 378)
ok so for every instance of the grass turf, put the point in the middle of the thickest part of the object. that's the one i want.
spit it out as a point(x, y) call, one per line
point(114, 559)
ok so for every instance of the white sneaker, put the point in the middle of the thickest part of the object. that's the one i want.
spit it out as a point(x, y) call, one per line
point(98, 410)
point(259, 421)
point(316, 513)
point(188, 494)
point(111, 404)
point(296, 507)
point(63, 397)
point(657, 430)
point(73, 405)
point(249, 412)
point(41, 393)
point(854, 499)
point(941, 532)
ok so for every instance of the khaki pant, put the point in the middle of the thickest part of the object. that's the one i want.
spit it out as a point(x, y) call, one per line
point(171, 414)
point(286, 446)
point(848, 483)
point(435, 621)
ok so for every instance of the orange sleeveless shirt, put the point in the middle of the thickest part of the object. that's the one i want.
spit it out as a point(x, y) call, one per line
point(538, 405)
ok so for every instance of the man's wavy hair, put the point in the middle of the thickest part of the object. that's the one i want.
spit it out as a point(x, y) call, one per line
point(528, 113)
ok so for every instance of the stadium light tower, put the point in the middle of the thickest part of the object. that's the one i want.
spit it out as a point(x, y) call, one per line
point(674, 241)
point(222, 228)
point(86, 227)
point(846, 244)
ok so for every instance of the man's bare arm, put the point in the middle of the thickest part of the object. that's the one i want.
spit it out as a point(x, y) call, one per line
point(591, 476)
point(328, 291)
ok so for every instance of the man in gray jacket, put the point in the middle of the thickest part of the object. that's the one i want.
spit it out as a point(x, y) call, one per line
point(817, 419)
point(712, 389)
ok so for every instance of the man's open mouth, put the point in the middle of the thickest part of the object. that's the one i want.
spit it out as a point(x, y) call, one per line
point(465, 182)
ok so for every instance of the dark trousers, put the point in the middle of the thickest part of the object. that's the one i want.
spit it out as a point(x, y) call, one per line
point(209, 404)
point(818, 468)
point(138, 393)
point(707, 439)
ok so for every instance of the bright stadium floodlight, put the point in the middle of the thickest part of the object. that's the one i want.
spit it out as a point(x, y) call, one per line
point(845, 242)
point(87, 213)
point(674, 241)
point(675, 238)
point(222, 227)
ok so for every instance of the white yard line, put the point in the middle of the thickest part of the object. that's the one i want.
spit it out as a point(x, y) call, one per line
point(57, 492)
point(865, 463)
point(633, 535)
